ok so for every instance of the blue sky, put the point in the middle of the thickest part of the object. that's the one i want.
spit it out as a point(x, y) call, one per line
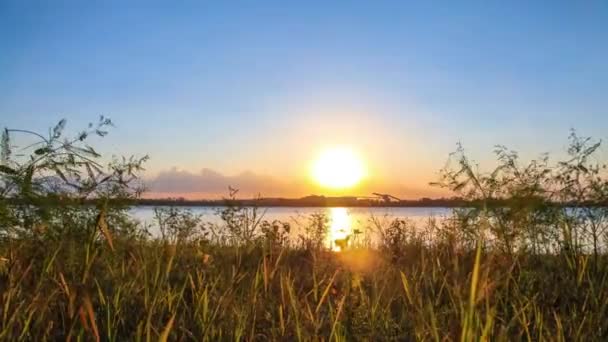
point(262, 86)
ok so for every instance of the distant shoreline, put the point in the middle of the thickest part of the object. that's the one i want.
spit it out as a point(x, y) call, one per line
point(221, 205)
point(322, 202)
point(355, 202)
point(308, 202)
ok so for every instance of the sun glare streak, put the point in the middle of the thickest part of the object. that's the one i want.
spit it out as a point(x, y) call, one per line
point(338, 168)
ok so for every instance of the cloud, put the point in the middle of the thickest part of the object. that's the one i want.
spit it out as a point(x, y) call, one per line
point(210, 184)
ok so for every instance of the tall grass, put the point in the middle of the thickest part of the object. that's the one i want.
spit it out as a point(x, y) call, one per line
point(527, 261)
point(192, 290)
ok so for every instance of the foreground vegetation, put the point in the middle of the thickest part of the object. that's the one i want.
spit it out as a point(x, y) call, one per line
point(525, 269)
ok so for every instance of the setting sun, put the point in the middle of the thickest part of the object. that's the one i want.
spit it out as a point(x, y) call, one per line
point(338, 168)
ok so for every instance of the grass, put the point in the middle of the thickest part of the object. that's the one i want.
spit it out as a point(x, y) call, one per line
point(194, 289)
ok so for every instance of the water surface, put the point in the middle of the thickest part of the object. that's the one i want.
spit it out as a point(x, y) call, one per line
point(342, 222)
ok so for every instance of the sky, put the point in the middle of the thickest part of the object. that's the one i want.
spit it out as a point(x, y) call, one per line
point(248, 93)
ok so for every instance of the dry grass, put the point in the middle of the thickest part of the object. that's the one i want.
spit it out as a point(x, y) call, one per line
point(142, 289)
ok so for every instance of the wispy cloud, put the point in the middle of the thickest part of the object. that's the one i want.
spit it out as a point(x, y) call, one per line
point(209, 184)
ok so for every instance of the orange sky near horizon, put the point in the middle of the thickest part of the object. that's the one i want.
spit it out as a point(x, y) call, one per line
point(193, 186)
point(280, 164)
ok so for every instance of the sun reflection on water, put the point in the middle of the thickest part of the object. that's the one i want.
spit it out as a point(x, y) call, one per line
point(340, 229)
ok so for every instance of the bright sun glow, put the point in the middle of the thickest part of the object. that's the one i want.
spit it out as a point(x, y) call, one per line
point(338, 168)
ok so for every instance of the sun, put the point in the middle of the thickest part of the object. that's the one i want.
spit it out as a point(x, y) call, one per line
point(338, 168)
